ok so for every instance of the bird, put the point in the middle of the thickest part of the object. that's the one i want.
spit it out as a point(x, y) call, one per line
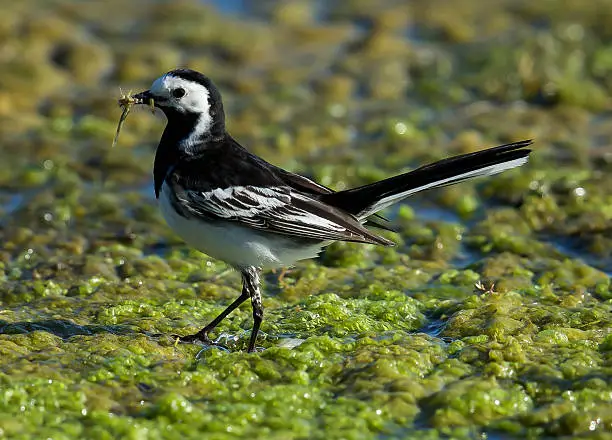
point(236, 207)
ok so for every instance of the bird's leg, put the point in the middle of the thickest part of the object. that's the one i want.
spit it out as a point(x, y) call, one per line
point(250, 279)
point(202, 335)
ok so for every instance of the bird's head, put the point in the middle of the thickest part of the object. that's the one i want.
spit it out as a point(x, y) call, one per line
point(190, 101)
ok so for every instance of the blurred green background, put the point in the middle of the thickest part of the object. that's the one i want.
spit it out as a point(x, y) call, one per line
point(489, 319)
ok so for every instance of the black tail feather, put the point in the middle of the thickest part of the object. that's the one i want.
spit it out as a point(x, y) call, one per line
point(364, 200)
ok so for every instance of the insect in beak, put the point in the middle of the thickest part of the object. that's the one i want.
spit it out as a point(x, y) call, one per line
point(126, 101)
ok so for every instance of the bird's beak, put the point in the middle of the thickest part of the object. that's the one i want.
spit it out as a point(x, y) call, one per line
point(145, 98)
point(142, 97)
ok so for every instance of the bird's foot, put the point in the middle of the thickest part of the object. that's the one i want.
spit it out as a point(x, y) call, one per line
point(199, 337)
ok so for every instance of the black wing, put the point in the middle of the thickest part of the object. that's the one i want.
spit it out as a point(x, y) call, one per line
point(278, 210)
point(229, 165)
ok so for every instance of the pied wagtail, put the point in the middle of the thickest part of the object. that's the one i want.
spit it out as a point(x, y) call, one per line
point(238, 208)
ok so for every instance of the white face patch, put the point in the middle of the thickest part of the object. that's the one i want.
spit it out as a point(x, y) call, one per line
point(194, 100)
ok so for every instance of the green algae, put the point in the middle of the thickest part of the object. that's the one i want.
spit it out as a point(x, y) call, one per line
point(489, 318)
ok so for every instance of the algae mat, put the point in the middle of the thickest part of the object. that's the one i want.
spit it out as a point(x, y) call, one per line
point(489, 319)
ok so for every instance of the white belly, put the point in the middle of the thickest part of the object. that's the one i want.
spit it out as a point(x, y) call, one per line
point(237, 245)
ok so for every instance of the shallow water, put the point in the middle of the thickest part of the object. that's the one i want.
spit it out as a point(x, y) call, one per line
point(489, 319)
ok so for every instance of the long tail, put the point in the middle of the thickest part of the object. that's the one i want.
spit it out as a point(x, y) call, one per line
point(366, 200)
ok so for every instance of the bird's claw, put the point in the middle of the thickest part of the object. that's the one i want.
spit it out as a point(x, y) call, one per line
point(200, 339)
point(196, 337)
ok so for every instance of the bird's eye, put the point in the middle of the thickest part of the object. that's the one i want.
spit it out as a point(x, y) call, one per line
point(178, 93)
